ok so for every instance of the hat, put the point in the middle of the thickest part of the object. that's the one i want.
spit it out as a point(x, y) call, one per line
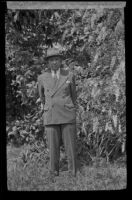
point(56, 50)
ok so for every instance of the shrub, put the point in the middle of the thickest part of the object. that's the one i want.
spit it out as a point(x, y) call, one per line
point(94, 49)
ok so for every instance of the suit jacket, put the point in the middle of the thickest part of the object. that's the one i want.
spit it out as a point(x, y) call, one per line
point(59, 100)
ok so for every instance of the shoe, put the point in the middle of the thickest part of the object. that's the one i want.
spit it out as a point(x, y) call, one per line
point(52, 175)
point(72, 174)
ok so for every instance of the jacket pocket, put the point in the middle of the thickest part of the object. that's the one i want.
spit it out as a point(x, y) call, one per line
point(69, 106)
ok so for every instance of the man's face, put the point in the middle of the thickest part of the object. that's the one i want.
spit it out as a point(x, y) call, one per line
point(54, 63)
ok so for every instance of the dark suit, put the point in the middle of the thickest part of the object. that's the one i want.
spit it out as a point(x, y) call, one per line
point(59, 114)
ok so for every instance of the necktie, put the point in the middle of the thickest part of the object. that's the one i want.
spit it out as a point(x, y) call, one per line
point(55, 79)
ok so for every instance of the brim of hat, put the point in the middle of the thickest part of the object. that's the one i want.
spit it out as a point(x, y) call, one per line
point(61, 56)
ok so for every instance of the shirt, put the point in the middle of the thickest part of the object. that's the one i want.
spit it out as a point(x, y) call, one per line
point(57, 74)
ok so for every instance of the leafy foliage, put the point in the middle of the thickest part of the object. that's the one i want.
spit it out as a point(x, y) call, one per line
point(94, 50)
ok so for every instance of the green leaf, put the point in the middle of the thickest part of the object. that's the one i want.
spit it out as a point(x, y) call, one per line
point(14, 129)
point(11, 133)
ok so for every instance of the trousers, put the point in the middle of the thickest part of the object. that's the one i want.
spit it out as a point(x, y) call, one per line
point(55, 135)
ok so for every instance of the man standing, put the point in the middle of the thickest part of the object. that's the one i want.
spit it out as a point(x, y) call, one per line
point(57, 92)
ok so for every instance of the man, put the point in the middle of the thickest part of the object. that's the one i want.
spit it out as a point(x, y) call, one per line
point(57, 91)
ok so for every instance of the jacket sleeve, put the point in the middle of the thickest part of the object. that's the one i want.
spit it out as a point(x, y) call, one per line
point(41, 90)
point(73, 89)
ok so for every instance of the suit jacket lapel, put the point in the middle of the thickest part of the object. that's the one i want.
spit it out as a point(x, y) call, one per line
point(50, 82)
point(60, 82)
point(55, 86)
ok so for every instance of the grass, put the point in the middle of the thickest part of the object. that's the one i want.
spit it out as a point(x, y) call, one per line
point(34, 176)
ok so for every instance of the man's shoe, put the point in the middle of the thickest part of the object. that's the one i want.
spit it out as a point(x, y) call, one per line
point(52, 175)
point(72, 174)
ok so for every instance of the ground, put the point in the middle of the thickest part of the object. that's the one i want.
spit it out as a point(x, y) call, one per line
point(32, 175)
